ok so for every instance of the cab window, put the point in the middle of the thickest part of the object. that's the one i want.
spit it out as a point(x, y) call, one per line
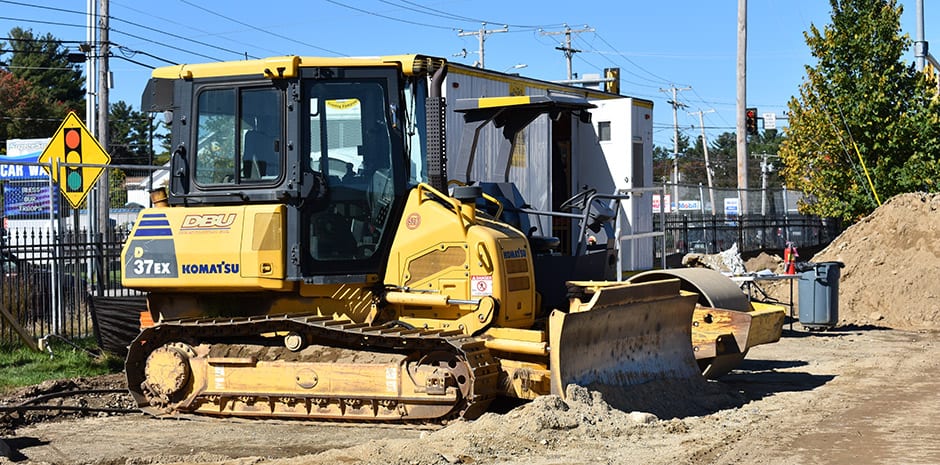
point(238, 136)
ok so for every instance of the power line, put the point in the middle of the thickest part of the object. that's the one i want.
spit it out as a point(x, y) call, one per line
point(114, 18)
point(58, 68)
point(443, 14)
point(165, 44)
point(28, 118)
point(432, 12)
point(39, 21)
point(177, 36)
point(192, 28)
point(372, 13)
point(43, 7)
point(125, 50)
point(265, 31)
point(623, 56)
point(48, 41)
point(133, 61)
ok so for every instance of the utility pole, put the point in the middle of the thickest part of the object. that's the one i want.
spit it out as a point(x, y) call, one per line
point(89, 48)
point(481, 34)
point(765, 169)
point(741, 135)
point(675, 138)
point(569, 51)
point(104, 81)
point(708, 165)
point(920, 45)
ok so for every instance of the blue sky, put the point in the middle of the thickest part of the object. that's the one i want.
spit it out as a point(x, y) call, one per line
point(657, 45)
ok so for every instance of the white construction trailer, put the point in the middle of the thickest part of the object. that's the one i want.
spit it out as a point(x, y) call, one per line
point(557, 156)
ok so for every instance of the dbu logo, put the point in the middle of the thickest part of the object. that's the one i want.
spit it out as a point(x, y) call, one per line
point(213, 221)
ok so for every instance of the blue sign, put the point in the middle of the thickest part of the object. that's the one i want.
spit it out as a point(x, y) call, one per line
point(29, 199)
point(9, 170)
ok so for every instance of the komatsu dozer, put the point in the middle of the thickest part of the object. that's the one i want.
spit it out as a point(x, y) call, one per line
point(307, 259)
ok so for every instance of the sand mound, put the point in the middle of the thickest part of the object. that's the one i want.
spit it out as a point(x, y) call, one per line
point(551, 423)
point(892, 264)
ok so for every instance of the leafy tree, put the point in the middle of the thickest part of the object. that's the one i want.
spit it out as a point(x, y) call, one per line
point(19, 105)
point(55, 85)
point(722, 155)
point(44, 62)
point(861, 108)
point(662, 159)
point(129, 135)
point(161, 135)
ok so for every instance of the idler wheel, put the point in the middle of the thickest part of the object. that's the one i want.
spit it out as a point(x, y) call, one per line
point(167, 370)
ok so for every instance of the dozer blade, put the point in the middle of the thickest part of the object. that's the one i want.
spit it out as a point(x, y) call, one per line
point(727, 324)
point(624, 335)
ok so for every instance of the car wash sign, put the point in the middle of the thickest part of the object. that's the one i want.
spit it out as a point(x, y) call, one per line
point(26, 189)
point(21, 159)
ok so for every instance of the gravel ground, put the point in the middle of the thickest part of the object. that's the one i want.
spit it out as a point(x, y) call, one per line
point(860, 396)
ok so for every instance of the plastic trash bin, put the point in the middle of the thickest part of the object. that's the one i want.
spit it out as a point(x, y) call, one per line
point(819, 295)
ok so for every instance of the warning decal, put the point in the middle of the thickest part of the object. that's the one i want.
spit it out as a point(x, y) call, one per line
point(481, 285)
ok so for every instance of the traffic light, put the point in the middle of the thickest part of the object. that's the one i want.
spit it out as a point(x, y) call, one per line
point(750, 121)
point(73, 154)
point(612, 80)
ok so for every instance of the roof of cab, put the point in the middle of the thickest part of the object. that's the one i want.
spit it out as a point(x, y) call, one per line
point(288, 66)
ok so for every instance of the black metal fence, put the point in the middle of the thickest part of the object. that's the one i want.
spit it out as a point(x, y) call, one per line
point(697, 233)
point(49, 281)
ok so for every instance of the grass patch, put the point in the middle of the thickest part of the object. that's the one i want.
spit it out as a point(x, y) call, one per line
point(20, 366)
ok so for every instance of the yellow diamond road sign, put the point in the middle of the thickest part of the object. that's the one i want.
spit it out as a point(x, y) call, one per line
point(73, 145)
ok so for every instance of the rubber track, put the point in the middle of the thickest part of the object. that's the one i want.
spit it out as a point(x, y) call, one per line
point(327, 331)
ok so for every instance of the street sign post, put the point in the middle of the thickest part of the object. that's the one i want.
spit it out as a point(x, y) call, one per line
point(73, 145)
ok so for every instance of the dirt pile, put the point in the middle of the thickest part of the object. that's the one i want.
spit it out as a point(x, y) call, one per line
point(892, 261)
point(547, 426)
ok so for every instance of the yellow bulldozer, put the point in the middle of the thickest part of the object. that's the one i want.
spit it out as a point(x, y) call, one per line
point(309, 259)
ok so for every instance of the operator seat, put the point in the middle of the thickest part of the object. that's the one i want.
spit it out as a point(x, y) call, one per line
point(260, 160)
point(331, 237)
point(513, 203)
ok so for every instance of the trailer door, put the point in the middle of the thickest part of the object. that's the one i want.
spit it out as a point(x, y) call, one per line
point(616, 153)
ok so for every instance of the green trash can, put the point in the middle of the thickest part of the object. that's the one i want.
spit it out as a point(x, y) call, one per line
point(819, 295)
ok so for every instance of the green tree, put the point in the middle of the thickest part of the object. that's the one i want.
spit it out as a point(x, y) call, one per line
point(56, 85)
point(161, 136)
point(19, 106)
point(662, 159)
point(723, 157)
point(129, 135)
point(861, 108)
point(44, 61)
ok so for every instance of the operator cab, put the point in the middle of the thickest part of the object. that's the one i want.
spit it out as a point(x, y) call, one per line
point(326, 140)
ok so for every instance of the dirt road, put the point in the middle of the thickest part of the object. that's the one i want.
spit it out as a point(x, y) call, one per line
point(859, 396)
